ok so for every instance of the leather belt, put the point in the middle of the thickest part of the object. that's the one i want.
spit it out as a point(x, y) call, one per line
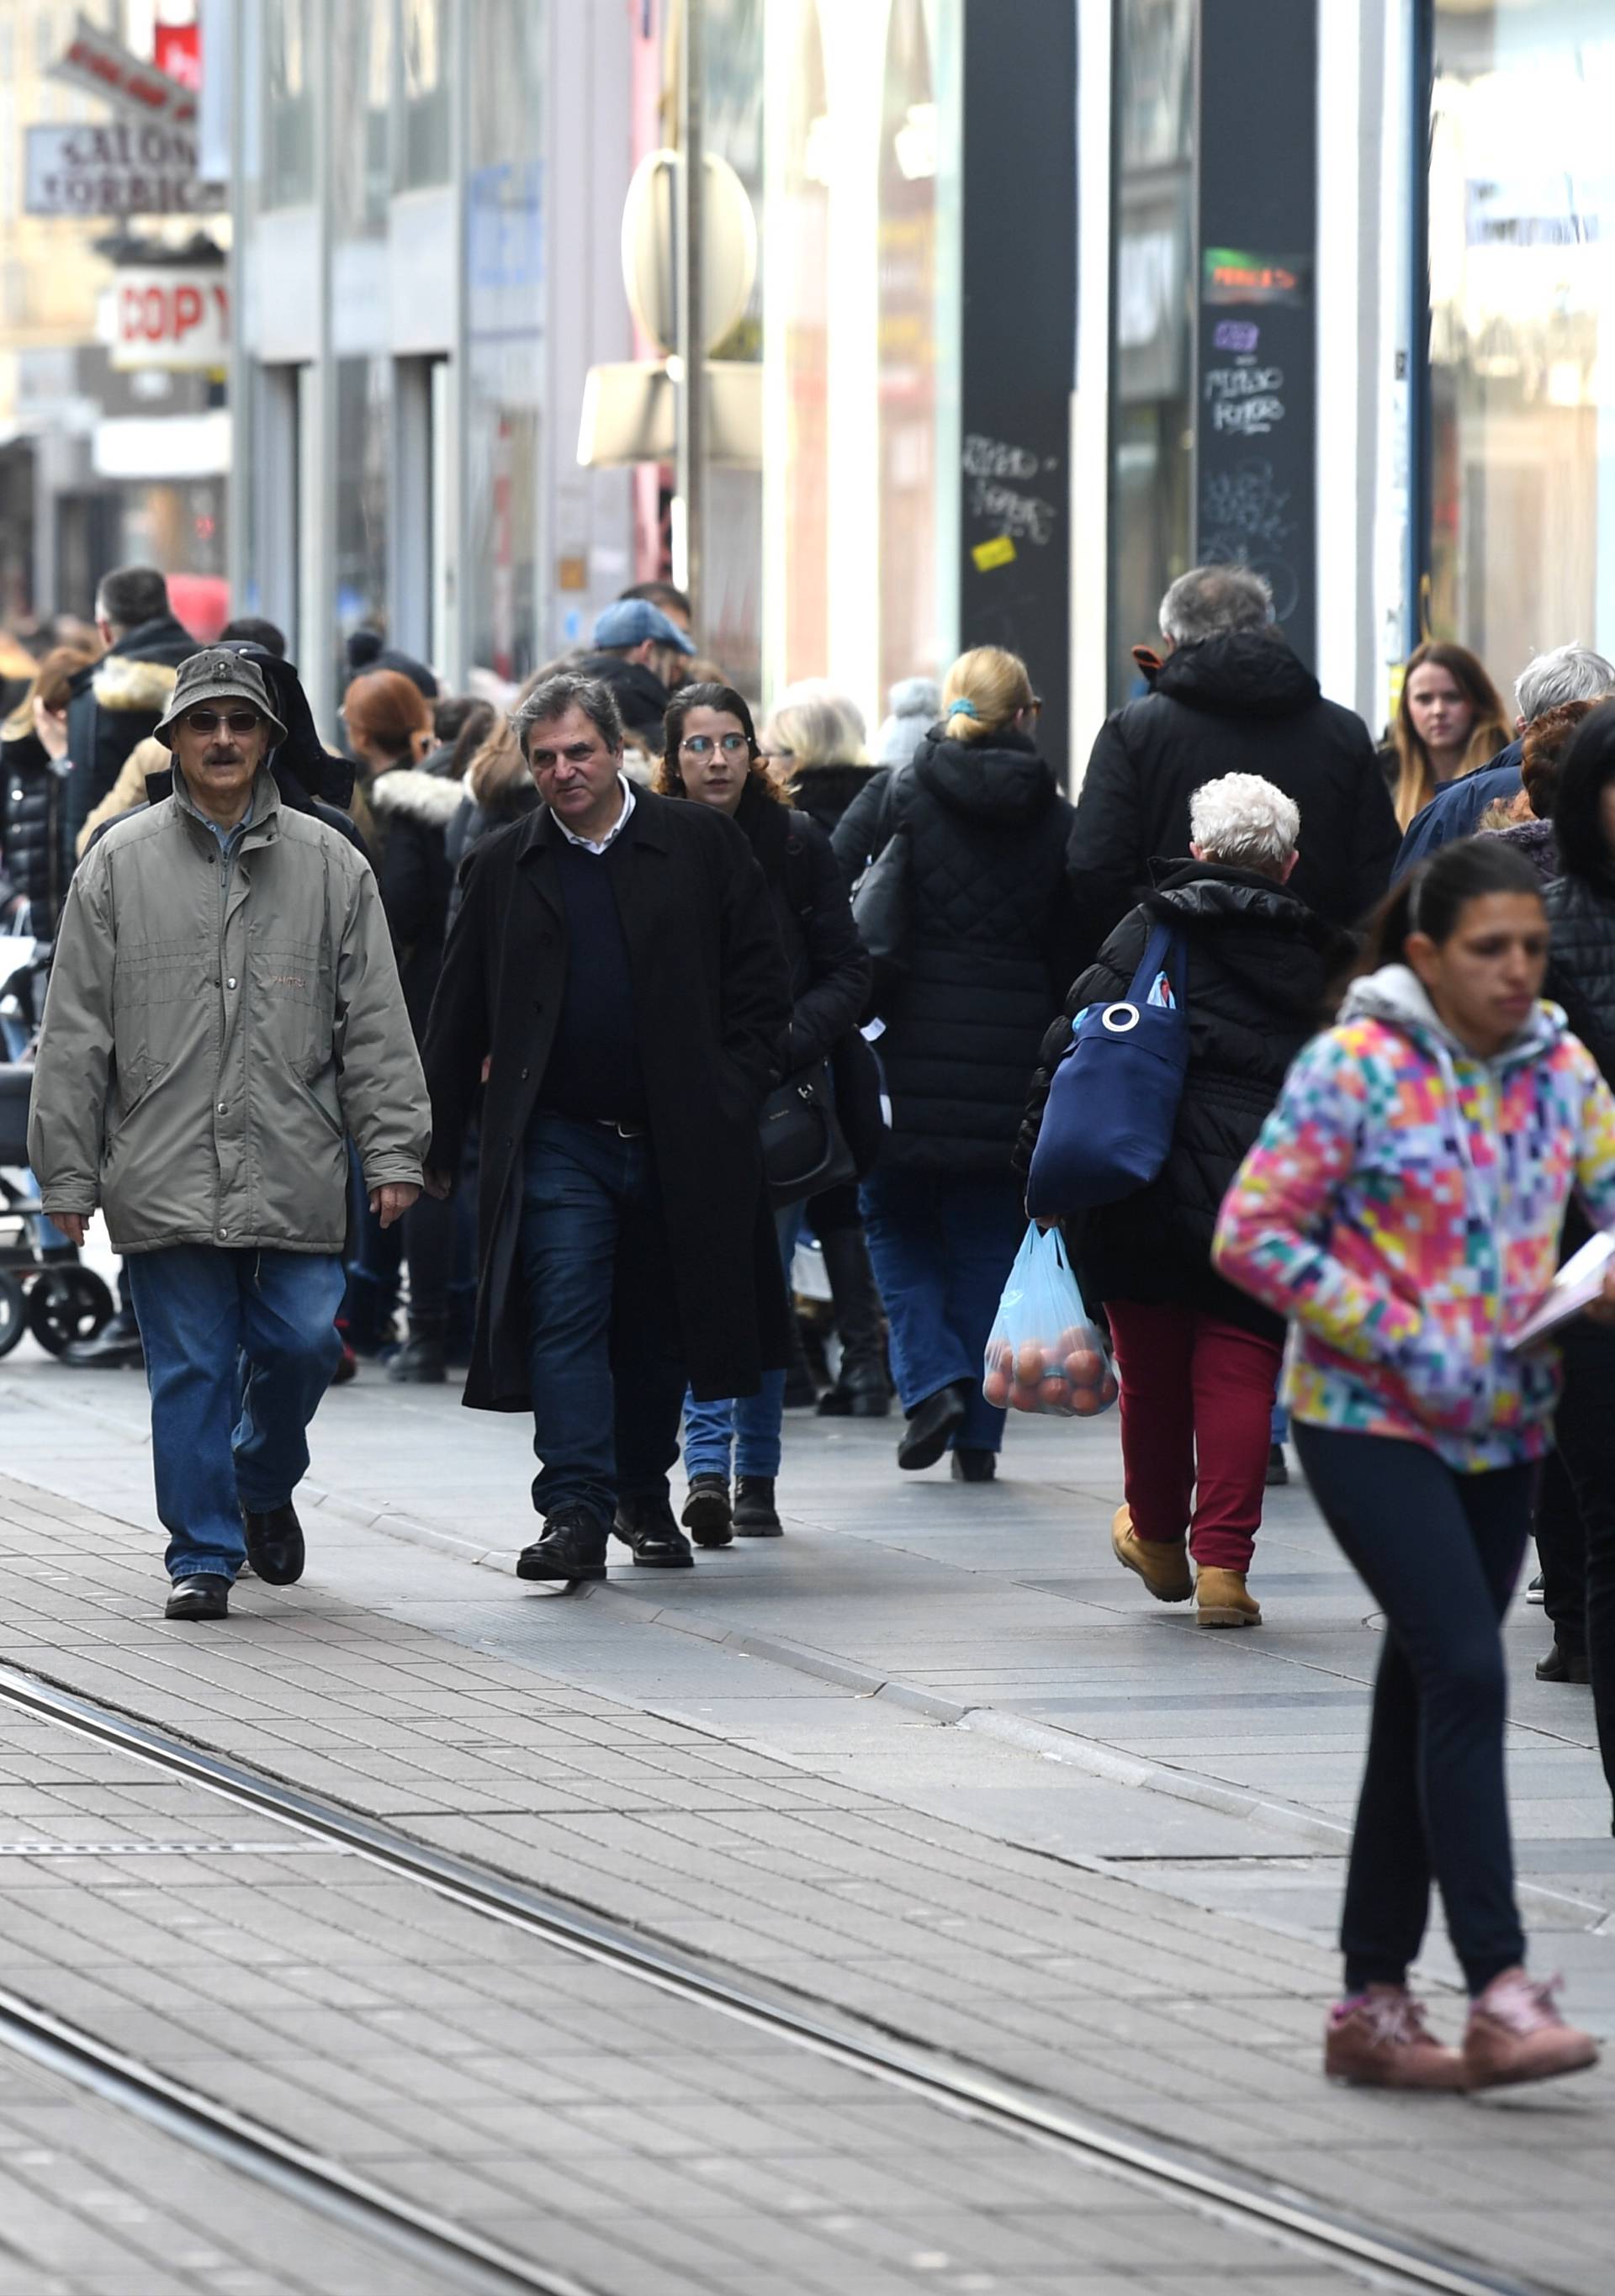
point(623, 1131)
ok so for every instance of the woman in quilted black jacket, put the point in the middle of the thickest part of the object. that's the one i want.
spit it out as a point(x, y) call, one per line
point(989, 948)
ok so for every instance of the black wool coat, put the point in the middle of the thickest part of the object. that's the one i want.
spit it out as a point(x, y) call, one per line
point(1258, 966)
point(712, 1007)
point(1241, 703)
point(831, 974)
point(990, 944)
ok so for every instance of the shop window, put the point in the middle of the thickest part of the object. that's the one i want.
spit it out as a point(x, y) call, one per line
point(907, 371)
point(1522, 329)
point(1152, 441)
point(289, 171)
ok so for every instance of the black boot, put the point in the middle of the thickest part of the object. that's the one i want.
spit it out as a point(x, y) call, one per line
point(707, 1516)
point(116, 1347)
point(646, 1527)
point(423, 1360)
point(801, 1388)
point(755, 1516)
point(274, 1545)
point(862, 1389)
point(972, 1465)
point(206, 1594)
point(931, 1423)
point(1561, 1665)
point(573, 1546)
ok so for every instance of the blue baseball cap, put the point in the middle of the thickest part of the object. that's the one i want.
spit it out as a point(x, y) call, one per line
point(632, 620)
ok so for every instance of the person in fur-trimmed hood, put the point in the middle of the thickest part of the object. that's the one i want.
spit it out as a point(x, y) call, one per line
point(116, 701)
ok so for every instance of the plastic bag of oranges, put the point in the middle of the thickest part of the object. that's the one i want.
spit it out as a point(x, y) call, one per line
point(1045, 1353)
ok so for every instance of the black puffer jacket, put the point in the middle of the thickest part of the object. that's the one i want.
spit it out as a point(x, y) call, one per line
point(991, 942)
point(35, 859)
point(1237, 704)
point(1258, 964)
point(116, 702)
point(416, 804)
point(824, 792)
point(1581, 963)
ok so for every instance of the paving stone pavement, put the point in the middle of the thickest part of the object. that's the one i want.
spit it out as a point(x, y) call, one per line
point(1089, 1886)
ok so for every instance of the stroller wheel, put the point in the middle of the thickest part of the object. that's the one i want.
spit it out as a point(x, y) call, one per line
point(66, 1304)
point(14, 1312)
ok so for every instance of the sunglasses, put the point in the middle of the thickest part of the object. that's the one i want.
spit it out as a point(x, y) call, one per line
point(209, 721)
point(701, 745)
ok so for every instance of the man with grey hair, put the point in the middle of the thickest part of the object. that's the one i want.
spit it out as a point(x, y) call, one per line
point(615, 975)
point(1565, 673)
point(1230, 696)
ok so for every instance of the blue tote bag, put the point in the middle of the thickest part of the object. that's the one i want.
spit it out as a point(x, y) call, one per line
point(1107, 1126)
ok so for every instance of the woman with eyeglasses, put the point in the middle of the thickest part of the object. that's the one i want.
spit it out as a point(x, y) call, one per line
point(711, 756)
point(989, 951)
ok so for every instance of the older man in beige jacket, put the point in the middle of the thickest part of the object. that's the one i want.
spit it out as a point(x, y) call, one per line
point(224, 1014)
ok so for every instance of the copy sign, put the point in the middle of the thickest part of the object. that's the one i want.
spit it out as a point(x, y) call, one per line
point(171, 319)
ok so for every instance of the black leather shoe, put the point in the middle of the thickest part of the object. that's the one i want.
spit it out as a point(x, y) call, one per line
point(274, 1545)
point(1561, 1665)
point(973, 1466)
point(419, 1363)
point(1278, 1467)
point(930, 1425)
point(203, 1595)
point(707, 1516)
point(756, 1515)
point(116, 1347)
point(646, 1527)
point(573, 1546)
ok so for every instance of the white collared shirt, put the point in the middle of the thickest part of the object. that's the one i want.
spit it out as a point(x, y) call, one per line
point(592, 845)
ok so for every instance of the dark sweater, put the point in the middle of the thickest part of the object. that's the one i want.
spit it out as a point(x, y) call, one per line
point(594, 1068)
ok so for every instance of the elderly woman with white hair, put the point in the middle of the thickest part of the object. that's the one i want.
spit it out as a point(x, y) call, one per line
point(1200, 1361)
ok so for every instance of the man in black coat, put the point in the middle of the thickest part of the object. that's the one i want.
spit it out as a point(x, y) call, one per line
point(119, 699)
point(616, 962)
point(1230, 697)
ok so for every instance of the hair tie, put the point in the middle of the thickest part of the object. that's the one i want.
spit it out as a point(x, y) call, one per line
point(969, 708)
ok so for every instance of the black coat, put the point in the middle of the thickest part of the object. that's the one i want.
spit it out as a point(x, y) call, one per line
point(990, 944)
point(414, 876)
point(35, 857)
point(826, 792)
point(1238, 704)
point(640, 697)
point(115, 702)
point(712, 1007)
point(1257, 966)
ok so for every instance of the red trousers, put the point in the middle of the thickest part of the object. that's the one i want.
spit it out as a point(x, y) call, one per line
point(1196, 1427)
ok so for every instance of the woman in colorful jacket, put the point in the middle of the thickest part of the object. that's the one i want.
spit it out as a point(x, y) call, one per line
point(1403, 1208)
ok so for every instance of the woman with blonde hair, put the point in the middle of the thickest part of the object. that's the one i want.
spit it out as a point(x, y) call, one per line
point(36, 854)
point(988, 951)
point(1449, 720)
point(813, 745)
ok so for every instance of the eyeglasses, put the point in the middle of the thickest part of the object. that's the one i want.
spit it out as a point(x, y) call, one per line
point(701, 745)
point(203, 722)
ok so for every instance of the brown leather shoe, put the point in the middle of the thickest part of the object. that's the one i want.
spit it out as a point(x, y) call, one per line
point(1380, 2040)
point(1516, 2034)
point(1162, 1563)
point(1220, 1600)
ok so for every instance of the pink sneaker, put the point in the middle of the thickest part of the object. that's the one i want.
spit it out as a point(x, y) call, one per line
point(1379, 2039)
point(1516, 2034)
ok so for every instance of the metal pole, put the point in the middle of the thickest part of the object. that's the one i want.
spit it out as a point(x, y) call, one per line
point(691, 398)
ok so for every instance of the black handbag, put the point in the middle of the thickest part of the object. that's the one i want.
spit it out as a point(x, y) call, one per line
point(882, 901)
point(804, 1148)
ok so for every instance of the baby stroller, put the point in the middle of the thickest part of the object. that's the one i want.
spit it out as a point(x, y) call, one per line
point(43, 1289)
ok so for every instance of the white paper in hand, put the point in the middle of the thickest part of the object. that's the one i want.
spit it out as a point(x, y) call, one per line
point(1577, 1285)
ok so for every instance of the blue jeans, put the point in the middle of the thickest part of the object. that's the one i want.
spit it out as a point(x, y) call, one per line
point(749, 1423)
point(605, 1361)
point(240, 1348)
point(942, 1244)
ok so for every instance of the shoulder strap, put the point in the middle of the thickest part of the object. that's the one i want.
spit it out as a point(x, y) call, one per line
point(1165, 950)
point(799, 877)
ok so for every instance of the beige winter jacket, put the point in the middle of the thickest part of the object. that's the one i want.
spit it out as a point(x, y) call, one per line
point(214, 1027)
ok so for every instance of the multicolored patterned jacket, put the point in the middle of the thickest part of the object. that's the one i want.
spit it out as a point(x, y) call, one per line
point(1403, 1207)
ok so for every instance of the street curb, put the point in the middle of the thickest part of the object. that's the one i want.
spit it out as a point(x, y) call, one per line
point(1046, 1739)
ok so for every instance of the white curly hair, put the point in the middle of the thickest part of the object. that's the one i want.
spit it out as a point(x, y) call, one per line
point(1245, 822)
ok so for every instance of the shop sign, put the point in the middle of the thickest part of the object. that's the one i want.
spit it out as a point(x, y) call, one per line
point(97, 64)
point(165, 317)
point(120, 168)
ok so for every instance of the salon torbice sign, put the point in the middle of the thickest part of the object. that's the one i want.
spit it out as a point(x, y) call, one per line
point(122, 168)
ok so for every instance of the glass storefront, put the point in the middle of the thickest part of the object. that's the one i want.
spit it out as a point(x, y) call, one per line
point(1522, 328)
point(1151, 435)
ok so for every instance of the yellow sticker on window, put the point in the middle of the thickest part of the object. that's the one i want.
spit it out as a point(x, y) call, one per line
point(998, 551)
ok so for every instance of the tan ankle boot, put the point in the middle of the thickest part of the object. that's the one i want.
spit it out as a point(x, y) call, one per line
point(1163, 1564)
point(1220, 1600)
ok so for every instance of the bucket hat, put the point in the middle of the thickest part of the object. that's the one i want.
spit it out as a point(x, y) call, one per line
point(218, 675)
